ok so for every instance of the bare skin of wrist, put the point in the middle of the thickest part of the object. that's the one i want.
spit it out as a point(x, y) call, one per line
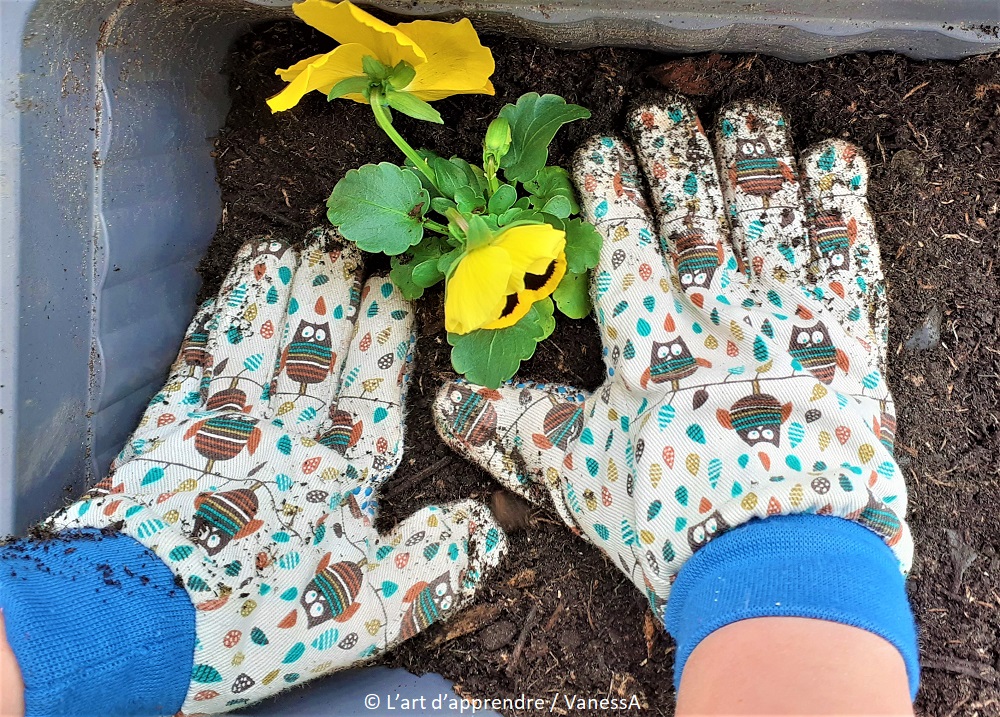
point(11, 687)
point(793, 666)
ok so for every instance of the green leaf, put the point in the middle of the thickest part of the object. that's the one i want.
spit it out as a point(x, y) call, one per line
point(403, 266)
point(452, 176)
point(572, 296)
point(442, 204)
point(559, 207)
point(402, 75)
point(426, 274)
point(374, 69)
point(412, 106)
point(469, 200)
point(583, 245)
point(478, 233)
point(447, 261)
point(552, 182)
point(350, 86)
point(534, 121)
point(490, 357)
point(379, 207)
point(503, 199)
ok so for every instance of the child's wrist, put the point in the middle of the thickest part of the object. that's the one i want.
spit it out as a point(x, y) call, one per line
point(97, 625)
point(812, 566)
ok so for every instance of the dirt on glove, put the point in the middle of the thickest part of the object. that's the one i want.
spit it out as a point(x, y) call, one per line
point(558, 619)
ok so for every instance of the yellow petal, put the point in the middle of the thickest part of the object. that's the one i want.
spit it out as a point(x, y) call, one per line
point(457, 63)
point(290, 73)
point(321, 73)
point(537, 287)
point(532, 247)
point(477, 290)
point(346, 24)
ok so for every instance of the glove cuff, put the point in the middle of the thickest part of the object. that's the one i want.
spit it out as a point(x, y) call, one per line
point(97, 625)
point(814, 566)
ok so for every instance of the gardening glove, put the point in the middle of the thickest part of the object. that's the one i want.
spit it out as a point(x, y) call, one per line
point(251, 481)
point(743, 317)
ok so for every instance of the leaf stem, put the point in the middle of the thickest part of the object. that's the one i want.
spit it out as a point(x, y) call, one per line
point(436, 227)
point(385, 122)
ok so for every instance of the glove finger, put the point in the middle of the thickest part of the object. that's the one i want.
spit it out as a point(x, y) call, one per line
point(630, 274)
point(321, 312)
point(181, 393)
point(426, 569)
point(366, 422)
point(761, 186)
point(521, 433)
point(847, 262)
point(684, 185)
point(244, 339)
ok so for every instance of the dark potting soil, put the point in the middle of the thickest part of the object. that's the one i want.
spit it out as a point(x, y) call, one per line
point(558, 617)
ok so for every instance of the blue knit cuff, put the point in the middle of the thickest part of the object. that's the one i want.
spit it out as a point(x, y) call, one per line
point(97, 625)
point(813, 566)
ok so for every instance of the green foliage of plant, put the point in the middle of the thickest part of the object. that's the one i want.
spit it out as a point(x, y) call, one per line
point(433, 212)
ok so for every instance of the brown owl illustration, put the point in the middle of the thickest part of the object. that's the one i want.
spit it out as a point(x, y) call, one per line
point(812, 347)
point(833, 238)
point(223, 517)
point(757, 171)
point(269, 247)
point(428, 602)
point(881, 519)
point(309, 356)
point(696, 258)
point(563, 424)
point(343, 433)
point(671, 361)
point(221, 438)
point(756, 418)
point(471, 415)
point(700, 534)
point(332, 593)
point(194, 348)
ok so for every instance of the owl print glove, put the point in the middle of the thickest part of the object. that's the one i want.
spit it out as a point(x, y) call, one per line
point(252, 477)
point(743, 317)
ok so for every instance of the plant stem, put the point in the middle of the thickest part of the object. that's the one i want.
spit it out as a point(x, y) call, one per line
point(436, 227)
point(385, 122)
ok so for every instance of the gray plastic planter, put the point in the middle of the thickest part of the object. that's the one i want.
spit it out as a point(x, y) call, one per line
point(108, 195)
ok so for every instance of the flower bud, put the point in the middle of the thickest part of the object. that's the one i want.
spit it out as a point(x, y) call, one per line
point(498, 138)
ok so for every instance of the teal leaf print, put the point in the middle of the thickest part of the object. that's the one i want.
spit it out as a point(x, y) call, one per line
point(389, 588)
point(253, 362)
point(826, 159)
point(152, 475)
point(665, 416)
point(298, 649)
point(668, 551)
point(205, 674)
point(714, 472)
point(767, 328)
point(796, 432)
point(681, 494)
point(181, 552)
point(327, 639)
point(696, 433)
point(258, 637)
point(654, 509)
point(285, 445)
point(760, 351)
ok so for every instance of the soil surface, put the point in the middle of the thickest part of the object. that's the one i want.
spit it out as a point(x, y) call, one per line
point(559, 618)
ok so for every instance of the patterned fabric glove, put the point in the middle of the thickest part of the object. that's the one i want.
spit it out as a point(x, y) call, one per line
point(253, 474)
point(743, 318)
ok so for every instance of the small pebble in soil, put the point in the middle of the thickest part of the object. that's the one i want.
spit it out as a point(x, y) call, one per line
point(928, 334)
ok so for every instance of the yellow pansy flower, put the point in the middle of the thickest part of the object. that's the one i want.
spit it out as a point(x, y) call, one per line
point(494, 286)
point(447, 57)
